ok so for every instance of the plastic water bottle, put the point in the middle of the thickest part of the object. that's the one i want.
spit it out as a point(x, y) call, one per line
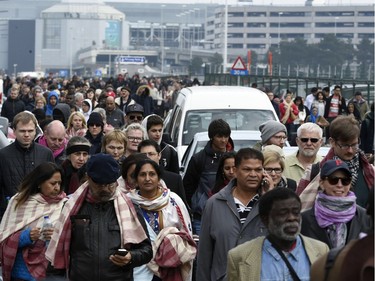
point(47, 224)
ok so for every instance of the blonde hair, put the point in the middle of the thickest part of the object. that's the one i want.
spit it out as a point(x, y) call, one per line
point(271, 156)
point(40, 99)
point(114, 135)
point(70, 120)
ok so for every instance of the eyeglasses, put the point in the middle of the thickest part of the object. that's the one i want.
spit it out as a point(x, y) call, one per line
point(354, 146)
point(335, 180)
point(150, 154)
point(96, 125)
point(313, 140)
point(133, 117)
point(134, 139)
point(276, 170)
point(280, 137)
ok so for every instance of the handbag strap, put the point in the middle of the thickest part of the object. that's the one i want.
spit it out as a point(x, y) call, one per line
point(291, 269)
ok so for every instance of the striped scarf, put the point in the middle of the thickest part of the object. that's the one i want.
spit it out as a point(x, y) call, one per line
point(174, 252)
point(28, 215)
point(131, 230)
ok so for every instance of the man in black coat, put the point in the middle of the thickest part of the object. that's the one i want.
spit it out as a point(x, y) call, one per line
point(12, 105)
point(21, 157)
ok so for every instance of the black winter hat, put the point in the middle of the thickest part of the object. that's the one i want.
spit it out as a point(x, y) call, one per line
point(95, 119)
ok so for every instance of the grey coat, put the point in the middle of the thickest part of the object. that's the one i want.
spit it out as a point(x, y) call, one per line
point(221, 231)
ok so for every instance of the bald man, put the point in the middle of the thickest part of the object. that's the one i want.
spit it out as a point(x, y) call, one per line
point(54, 139)
point(115, 116)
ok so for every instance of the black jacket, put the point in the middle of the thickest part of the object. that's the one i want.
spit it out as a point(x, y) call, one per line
point(11, 108)
point(169, 158)
point(342, 106)
point(201, 171)
point(367, 133)
point(15, 163)
point(175, 184)
point(360, 223)
point(96, 143)
point(96, 236)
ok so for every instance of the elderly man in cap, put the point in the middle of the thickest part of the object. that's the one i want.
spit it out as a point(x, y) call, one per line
point(272, 132)
point(100, 235)
point(134, 114)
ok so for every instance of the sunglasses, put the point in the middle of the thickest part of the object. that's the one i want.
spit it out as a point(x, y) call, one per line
point(313, 140)
point(335, 180)
point(139, 118)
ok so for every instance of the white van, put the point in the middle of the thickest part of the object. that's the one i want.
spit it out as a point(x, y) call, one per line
point(243, 108)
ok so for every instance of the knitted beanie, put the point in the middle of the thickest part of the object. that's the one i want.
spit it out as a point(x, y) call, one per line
point(271, 128)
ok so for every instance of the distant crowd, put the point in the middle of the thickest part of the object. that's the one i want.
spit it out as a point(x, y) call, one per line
point(91, 190)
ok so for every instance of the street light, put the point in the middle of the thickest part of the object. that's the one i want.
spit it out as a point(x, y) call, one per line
point(225, 53)
point(336, 18)
point(70, 42)
point(196, 10)
point(15, 70)
point(278, 32)
point(162, 37)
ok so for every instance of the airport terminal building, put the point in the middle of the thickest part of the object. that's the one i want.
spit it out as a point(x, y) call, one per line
point(83, 36)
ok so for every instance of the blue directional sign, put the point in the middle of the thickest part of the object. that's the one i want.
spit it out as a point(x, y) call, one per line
point(128, 59)
point(239, 72)
point(98, 72)
point(63, 73)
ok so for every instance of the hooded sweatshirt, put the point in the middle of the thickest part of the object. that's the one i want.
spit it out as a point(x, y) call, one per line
point(49, 107)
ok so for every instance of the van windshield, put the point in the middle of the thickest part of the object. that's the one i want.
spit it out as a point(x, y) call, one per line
point(238, 119)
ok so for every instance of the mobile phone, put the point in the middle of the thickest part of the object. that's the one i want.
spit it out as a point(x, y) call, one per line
point(121, 252)
point(264, 184)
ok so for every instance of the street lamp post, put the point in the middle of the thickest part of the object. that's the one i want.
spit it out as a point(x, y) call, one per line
point(225, 53)
point(278, 32)
point(15, 70)
point(70, 42)
point(335, 30)
point(162, 38)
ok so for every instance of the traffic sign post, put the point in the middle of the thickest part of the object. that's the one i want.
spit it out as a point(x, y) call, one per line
point(239, 69)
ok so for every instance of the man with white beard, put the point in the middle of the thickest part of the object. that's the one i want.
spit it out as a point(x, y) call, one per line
point(309, 140)
point(284, 254)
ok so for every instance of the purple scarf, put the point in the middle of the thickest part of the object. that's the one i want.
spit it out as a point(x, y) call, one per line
point(333, 210)
point(332, 213)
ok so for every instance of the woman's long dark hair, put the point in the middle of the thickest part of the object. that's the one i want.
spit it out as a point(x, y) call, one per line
point(220, 178)
point(356, 113)
point(31, 183)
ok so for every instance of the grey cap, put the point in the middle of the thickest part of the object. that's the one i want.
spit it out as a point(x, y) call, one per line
point(271, 128)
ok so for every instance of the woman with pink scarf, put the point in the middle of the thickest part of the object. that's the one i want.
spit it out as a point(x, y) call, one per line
point(335, 218)
point(23, 241)
point(169, 226)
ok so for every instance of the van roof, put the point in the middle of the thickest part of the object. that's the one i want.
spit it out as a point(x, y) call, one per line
point(220, 97)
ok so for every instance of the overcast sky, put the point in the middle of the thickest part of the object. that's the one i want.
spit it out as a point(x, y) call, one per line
point(257, 2)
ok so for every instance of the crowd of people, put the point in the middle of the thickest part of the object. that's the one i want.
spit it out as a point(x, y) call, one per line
point(90, 155)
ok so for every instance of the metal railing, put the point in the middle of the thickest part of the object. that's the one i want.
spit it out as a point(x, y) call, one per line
point(299, 86)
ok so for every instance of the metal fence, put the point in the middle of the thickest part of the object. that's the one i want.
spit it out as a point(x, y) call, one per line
point(299, 86)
